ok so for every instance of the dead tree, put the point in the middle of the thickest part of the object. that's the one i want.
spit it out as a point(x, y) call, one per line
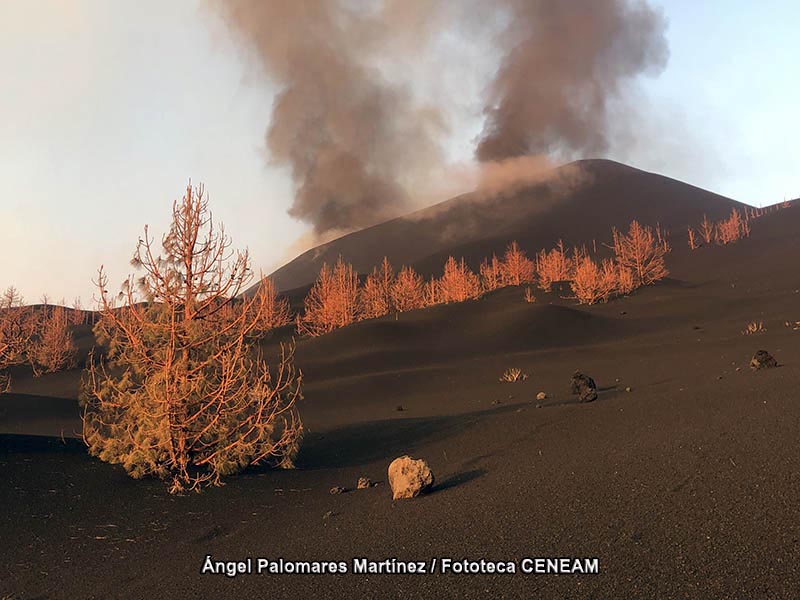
point(51, 349)
point(640, 252)
point(517, 268)
point(553, 266)
point(16, 331)
point(177, 393)
point(408, 290)
point(332, 302)
point(458, 283)
point(375, 297)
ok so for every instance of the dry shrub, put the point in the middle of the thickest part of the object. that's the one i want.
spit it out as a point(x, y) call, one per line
point(517, 268)
point(408, 290)
point(375, 297)
point(178, 394)
point(458, 283)
point(513, 375)
point(529, 297)
point(553, 266)
point(332, 301)
point(51, 348)
point(640, 253)
point(754, 327)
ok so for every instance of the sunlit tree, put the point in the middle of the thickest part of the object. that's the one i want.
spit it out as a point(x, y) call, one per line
point(177, 393)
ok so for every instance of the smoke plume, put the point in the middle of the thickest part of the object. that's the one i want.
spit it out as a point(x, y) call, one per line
point(354, 140)
point(357, 141)
point(564, 64)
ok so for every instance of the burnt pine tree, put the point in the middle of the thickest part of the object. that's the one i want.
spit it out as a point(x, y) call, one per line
point(178, 392)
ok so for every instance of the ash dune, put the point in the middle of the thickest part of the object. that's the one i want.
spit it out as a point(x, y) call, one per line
point(680, 477)
point(578, 202)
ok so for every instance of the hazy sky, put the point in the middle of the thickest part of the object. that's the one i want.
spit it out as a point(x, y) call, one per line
point(107, 108)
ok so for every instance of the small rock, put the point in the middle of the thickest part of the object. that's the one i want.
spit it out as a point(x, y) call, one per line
point(409, 477)
point(364, 483)
point(763, 360)
point(538, 406)
point(738, 369)
point(399, 408)
point(541, 396)
point(629, 389)
point(328, 515)
point(584, 387)
point(338, 490)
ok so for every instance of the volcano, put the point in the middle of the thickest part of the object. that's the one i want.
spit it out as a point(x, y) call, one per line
point(578, 202)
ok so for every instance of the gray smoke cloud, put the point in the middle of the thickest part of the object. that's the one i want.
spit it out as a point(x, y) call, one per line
point(565, 64)
point(356, 142)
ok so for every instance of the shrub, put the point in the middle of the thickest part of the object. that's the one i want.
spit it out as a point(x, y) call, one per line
point(178, 394)
point(513, 375)
point(754, 327)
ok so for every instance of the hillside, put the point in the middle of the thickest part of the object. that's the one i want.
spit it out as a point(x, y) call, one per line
point(578, 202)
point(681, 478)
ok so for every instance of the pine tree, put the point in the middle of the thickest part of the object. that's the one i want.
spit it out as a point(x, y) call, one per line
point(375, 298)
point(640, 252)
point(458, 283)
point(332, 302)
point(517, 268)
point(178, 393)
point(408, 290)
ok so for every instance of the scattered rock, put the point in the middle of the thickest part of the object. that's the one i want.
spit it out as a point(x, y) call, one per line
point(338, 490)
point(584, 387)
point(364, 483)
point(541, 396)
point(763, 360)
point(409, 477)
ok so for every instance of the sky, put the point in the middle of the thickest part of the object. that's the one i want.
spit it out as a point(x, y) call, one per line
point(107, 109)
